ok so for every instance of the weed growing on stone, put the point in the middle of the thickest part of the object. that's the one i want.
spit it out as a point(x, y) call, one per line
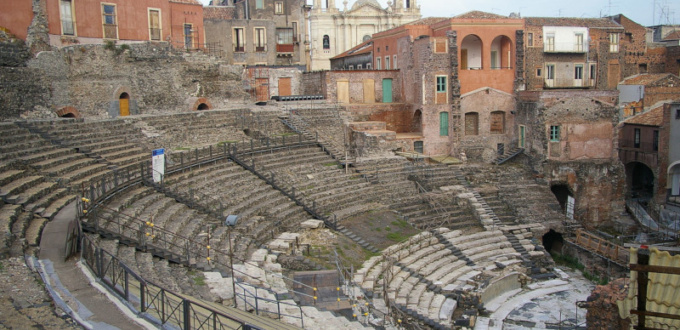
point(397, 237)
point(400, 223)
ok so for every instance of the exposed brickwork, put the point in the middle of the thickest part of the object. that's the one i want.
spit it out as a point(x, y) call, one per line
point(603, 313)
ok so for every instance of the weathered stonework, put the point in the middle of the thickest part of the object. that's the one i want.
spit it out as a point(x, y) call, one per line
point(91, 79)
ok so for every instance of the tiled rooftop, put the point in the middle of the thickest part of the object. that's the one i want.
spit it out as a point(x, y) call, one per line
point(652, 117)
point(663, 291)
point(479, 14)
point(675, 35)
point(572, 21)
point(362, 48)
point(644, 78)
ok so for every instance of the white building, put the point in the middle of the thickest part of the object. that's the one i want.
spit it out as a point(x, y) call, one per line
point(334, 31)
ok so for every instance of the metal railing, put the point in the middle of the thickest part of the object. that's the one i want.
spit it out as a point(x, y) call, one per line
point(152, 301)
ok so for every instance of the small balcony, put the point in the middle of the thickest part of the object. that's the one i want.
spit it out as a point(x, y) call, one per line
point(285, 48)
point(565, 47)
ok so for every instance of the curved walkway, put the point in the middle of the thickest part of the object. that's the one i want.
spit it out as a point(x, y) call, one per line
point(76, 293)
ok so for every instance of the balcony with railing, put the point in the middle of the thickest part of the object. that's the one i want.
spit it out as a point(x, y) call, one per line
point(565, 47)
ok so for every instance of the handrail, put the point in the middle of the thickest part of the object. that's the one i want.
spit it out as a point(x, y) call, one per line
point(150, 300)
point(601, 246)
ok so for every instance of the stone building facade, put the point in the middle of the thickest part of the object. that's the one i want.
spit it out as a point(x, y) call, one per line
point(93, 81)
point(334, 31)
point(260, 32)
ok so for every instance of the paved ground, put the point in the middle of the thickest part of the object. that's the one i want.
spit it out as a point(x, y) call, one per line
point(67, 279)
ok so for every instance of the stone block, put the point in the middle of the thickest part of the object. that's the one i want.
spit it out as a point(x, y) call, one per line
point(312, 224)
point(447, 309)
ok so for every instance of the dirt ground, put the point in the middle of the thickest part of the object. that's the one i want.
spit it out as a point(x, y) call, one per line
point(380, 228)
point(24, 303)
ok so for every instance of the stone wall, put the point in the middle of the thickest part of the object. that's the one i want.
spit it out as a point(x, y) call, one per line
point(603, 313)
point(91, 78)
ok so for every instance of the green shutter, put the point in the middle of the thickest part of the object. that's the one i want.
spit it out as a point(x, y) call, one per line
point(444, 124)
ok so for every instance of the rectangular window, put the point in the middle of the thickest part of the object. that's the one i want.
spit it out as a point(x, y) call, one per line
point(188, 36)
point(550, 71)
point(387, 48)
point(613, 42)
point(260, 40)
point(394, 62)
point(530, 39)
point(368, 66)
point(636, 142)
point(578, 43)
point(109, 21)
point(655, 141)
point(554, 133)
point(154, 24)
point(351, 67)
point(578, 71)
point(377, 63)
point(239, 41)
point(359, 67)
point(592, 72)
point(497, 125)
point(66, 12)
point(387, 62)
point(441, 95)
point(443, 124)
point(549, 42)
point(441, 84)
point(259, 4)
point(284, 40)
point(278, 8)
point(295, 32)
point(677, 113)
point(471, 123)
point(538, 72)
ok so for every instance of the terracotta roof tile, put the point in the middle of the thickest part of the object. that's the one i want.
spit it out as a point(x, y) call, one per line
point(362, 48)
point(663, 291)
point(653, 117)
point(427, 21)
point(644, 78)
point(479, 14)
point(218, 13)
point(675, 35)
point(572, 21)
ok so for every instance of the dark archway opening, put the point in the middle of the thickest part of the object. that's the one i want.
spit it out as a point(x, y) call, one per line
point(416, 124)
point(68, 115)
point(553, 241)
point(562, 193)
point(642, 181)
point(203, 106)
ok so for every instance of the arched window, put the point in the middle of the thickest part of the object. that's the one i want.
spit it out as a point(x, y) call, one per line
point(326, 42)
point(366, 37)
point(471, 53)
point(501, 53)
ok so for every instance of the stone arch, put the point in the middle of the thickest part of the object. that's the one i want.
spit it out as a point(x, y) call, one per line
point(119, 91)
point(202, 103)
point(471, 55)
point(640, 179)
point(68, 112)
point(500, 53)
point(673, 179)
point(562, 192)
point(553, 241)
point(417, 122)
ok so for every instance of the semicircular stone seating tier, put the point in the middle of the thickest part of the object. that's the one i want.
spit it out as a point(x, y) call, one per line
point(421, 273)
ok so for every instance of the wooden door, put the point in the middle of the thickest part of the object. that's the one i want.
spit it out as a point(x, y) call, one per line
point(521, 136)
point(284, 87)
point(343, 91)
point(369, 91)
point(387, 90)
point(261, 89)
point(124, 105)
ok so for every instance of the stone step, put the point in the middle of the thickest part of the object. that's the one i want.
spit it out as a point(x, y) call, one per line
point(36, 192)
point(13, 188)
point(34, 230)
point(8, 176)
point(54, 162)
point(73, 165)
point(55, 206)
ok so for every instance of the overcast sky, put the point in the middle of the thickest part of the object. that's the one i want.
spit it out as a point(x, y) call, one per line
point(645, 12)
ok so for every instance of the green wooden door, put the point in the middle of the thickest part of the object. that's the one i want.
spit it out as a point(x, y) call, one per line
point(521, 136)
point(387, 90)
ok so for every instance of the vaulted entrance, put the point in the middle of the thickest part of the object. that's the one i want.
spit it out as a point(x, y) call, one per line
point(124, 104)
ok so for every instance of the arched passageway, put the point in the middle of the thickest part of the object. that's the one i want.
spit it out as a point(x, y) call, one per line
point(471, 53)
point(553, 241)
point(203, 106)
point(640, 179)
point(416, 124)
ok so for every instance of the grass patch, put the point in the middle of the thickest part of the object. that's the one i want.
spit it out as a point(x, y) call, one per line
point(377, 229)
point(182, 148)
point(573, 263)
point(330, 164)
point(287, 134)
point(397, 237)
point(400, 224)
point(370, 254)
point(388, 228)
point(199, 280)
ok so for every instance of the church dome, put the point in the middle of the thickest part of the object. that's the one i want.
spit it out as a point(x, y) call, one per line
point(360, 3)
